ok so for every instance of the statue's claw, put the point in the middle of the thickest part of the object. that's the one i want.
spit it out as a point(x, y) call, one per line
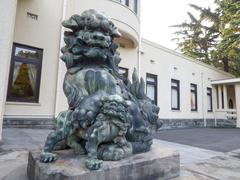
point(46, 157)
point(94, 164)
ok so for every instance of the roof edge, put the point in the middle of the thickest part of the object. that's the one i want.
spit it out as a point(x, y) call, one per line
point(184, 56)
point(226, 81)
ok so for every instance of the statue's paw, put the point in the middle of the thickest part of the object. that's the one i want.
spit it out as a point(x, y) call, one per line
point(94, 164)
point(48, 157)
point(112, 154)
point(118, 154)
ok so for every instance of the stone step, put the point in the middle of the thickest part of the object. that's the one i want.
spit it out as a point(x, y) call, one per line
point(35, 123)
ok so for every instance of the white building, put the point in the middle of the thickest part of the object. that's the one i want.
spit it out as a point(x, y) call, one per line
point(188, 92)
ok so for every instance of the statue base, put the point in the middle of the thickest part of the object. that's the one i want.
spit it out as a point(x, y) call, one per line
point(158, 163)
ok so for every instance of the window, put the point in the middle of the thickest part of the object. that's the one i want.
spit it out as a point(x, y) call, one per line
point(124, 74)
point(151, 90)
point(125, 2)
point(193, 97)
point(222, 95)
point(25, 73)
point(175, 94)
point(209, 99)
point(136, 6)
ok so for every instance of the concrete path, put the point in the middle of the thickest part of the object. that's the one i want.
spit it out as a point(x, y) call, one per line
point(203, 164)
point(14, 151)
point(196, 163)
point(216, 139)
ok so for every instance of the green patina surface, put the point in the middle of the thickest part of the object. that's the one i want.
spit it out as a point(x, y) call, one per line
point(108, 118)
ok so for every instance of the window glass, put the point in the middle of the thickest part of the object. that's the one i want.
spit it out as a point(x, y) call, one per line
point(26, 53)
point(193, 97)
point(151, 84)
point(175, 83)
point(209, 99)
point(124, 74)
point(123, 71)
point(136, 6)
point(150, 79)
point(222, 95)
point(24, 77)
point(193, 101)
point(125, 2)
point(151, 92)
point(174, 99)
point(24, 80)
point(175, 94)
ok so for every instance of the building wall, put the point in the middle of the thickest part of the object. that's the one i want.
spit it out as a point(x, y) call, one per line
point(167, 65)
point(46, 31)
point(42, 33)
point(7, 21)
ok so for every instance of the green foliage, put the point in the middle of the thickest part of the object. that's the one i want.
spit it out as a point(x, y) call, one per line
point(213, 37)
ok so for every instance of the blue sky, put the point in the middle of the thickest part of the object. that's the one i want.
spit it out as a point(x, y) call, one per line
point(158, 15)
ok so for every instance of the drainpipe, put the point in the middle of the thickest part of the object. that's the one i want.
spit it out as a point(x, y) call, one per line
point(203, 102)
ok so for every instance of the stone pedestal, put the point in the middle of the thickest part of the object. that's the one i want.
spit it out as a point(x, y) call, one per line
point(159, 163)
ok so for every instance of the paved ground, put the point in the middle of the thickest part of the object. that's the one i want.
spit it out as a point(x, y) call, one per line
point(22, 139)
point(196, 163)
point(216, 139)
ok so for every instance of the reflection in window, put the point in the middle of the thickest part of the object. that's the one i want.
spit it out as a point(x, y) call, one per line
point(24, 78)
point(26, 53)
point(24, 81)
point(175, 94)
point(209, 100)
point(151, 90)
point(193, 97)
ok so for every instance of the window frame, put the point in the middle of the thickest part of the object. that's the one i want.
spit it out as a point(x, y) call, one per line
point(196, 98)
point(178, 93)
point(155, 84)
point(38, 65)
point(209, 93)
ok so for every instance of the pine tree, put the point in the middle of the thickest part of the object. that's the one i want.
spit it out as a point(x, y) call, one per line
point(213, 37)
